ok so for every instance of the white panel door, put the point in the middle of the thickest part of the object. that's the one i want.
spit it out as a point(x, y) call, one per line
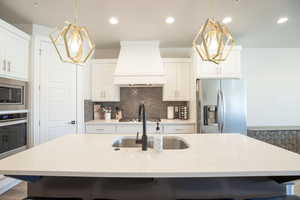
point(58, 95)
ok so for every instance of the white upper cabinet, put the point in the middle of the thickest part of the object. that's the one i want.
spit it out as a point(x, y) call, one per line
point(229, 69)
point(102, 83)
point(178, 73)
point(14, 52)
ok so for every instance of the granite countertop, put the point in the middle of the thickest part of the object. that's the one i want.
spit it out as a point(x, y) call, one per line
point(274, 128)
point(208, 155)
point(116, 122)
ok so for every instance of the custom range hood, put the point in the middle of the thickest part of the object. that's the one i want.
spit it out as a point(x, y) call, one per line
point(139, 64)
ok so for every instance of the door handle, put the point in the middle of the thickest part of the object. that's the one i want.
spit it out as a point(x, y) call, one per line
point(73, 122)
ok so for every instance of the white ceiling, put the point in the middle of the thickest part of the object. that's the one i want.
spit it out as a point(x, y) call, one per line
point(253, 25)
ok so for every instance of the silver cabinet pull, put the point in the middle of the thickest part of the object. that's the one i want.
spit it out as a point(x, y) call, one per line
point(100, 129)
point(8, 66)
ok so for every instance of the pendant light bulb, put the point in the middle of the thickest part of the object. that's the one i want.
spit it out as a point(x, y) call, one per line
point(75, 43)
point(213, 43)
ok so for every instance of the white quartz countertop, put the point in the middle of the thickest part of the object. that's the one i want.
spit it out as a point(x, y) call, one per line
point(12, 111)
point(116, 122)
point(209, 155)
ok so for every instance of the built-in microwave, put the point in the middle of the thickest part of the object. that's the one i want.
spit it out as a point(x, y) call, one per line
point(12, 94)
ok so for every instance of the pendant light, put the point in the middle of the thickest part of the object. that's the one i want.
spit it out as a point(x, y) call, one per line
point(213, 42)
point(72, 42)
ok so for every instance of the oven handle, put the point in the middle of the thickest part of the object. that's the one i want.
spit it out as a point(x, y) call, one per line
point(13, 122)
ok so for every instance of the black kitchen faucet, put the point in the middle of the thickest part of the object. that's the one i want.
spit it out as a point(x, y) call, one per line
point(144, 140)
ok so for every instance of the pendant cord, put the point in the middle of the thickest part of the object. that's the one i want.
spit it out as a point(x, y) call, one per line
point(213, 9)
point(76, 12)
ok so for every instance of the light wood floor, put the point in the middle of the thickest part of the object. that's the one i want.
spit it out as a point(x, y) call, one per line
point(19, 192)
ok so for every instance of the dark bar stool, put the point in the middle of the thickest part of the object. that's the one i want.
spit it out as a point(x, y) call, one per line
point(204, 199)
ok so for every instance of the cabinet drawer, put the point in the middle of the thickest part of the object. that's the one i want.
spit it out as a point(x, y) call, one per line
point(179, 129)
point(100, 129)
point(129, 129)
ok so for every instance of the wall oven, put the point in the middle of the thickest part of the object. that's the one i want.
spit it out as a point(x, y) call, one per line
point(13, 133)
point(13, 116)
point(12, 94)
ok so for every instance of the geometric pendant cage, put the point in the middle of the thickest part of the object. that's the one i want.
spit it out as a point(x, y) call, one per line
point(73, 43)
point(213, 42)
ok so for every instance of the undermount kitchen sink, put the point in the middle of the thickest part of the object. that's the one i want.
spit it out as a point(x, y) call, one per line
point(169, 142)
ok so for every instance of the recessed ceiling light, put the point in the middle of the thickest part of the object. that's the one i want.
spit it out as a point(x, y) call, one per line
point(282, 20)
point(227, 20)
point(113, 20)
point(36, 4)
point(170, 20)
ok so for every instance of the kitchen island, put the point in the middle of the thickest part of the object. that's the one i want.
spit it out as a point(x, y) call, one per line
point(213, 165)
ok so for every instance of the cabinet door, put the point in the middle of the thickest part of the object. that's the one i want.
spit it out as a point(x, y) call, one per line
point(170, 87)
point(15, 54)
point(11, 54)
point(183, 81)
point(207, 69)
point(231, 68)
point(20, 63)
point(103, 88)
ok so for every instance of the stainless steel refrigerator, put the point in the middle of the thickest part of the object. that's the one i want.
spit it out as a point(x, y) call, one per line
point(221, 106)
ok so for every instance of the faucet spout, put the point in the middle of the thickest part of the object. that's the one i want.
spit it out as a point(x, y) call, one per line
point(142, 116)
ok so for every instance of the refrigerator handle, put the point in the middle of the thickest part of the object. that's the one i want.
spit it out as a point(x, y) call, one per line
point(221, 111)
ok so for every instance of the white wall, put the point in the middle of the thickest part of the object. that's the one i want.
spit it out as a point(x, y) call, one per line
point(273, 86)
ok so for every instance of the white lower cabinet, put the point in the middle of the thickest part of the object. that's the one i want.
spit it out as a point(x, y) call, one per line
point(179, 129)
point(100, 129)
point(134, 128)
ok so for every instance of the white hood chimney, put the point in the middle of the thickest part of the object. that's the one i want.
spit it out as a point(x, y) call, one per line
point(139, 63)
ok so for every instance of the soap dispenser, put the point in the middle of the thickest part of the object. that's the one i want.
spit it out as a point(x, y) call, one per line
point(158, 139)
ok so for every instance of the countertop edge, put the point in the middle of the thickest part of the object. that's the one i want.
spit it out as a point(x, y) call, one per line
point(152, 174)
point(13, 111)
point(103, 122)
point(273, 128)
